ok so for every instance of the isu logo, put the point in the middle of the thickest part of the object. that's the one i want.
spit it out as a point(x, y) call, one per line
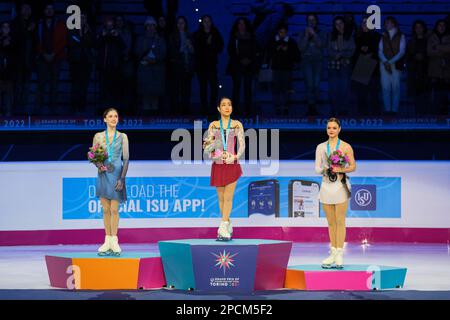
point(363, 197)
point(224, 260)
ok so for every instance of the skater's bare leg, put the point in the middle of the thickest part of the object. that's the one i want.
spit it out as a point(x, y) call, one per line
point(330, 212)
point(228, 201)
point(114, 217)
point(341, 212)
point(220, 195)
point(106, 204)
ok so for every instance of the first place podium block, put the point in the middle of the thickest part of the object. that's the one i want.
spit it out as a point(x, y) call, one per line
point(240, 265)
point(81, 270)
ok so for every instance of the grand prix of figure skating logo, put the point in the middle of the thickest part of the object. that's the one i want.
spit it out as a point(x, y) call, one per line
point(224, 260)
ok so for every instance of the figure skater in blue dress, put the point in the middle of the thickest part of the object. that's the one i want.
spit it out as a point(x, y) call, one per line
point(110, 186)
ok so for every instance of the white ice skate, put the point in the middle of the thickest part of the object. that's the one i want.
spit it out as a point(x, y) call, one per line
point(105, 248)
point(329, 262)
point(223, 234)
point(116, 251)
point(230, 229)
point(339, 258)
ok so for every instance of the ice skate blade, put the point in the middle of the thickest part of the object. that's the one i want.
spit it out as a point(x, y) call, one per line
point(116, 254)
point(339, 267)
point(104, 254)
point(327, 266)
point(223, 239)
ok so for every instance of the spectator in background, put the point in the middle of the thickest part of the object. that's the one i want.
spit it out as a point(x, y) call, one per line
point(163, 28)
point(80, 56)
point(242, 63)
point(350, 24)
point(311, 45)
point(268, 16)
point(127, 68)
point(283, 54)
point(438, 49)
point(110, 58)
point(366, 46)
point(208, 44)
point(151, 54)
point(155, 8)
point(6, 70)
point(51, 46)
point(181, 62)
point(341, 48)
point(23, 35)
point(391, 51)
point(417, 63)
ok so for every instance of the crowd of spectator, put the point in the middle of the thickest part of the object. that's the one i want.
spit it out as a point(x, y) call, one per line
point(152, 73)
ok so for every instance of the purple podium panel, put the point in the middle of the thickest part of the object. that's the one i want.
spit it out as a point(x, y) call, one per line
point(59, 271)
point(271, 265)
point(224, 268)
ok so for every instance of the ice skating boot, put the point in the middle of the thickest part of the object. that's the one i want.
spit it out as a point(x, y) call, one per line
point(339, 258)
point(116, 251)
point(328, 262)
point(105, 248)
point(230, 229)
point(223, 234)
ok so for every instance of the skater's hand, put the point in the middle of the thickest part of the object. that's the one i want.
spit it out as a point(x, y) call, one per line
point(336, 169)
point(98, 164)
point(119, 185)
point(230, 158)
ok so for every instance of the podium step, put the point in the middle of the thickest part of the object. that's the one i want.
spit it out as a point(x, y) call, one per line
point(241, 265)
point(88, 271)
point(351, 277)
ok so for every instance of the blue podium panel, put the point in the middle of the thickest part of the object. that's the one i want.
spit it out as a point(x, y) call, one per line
point(240, 265)
point(177, 263)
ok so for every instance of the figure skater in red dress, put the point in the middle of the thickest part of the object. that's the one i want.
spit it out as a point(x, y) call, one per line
point(220, 145)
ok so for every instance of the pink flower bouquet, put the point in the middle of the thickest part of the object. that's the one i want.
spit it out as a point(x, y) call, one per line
point(336, 160)
point(98, 155)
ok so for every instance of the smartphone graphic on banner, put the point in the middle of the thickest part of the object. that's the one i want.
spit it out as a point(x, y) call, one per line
point(264, 198)
point(303, 199)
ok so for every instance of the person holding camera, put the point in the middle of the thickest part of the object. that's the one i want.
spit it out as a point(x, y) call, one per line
point(335, 188)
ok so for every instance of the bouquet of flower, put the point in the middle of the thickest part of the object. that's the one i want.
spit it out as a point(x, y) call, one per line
point(212, 146)
point(98, 155)
point(336, 160)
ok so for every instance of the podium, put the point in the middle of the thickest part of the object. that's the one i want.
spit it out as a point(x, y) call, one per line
point(240, 265)
point(81, 270)
point(351, 277)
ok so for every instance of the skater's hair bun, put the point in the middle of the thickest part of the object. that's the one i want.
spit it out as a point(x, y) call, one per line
point(108, 111)
point(334, 120)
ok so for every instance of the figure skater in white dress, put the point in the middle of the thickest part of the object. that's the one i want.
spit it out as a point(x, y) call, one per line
point(335, 190)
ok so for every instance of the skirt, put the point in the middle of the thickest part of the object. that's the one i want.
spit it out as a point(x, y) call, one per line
point(106, 184)
point(334, 192)
point(223, 174)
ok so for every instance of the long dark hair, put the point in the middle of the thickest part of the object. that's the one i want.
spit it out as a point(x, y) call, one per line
point(335, 32)
point(248, 26)
point(200, 25)
point(185, 23)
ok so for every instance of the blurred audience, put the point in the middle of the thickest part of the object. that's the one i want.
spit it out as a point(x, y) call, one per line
point(151, 74)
